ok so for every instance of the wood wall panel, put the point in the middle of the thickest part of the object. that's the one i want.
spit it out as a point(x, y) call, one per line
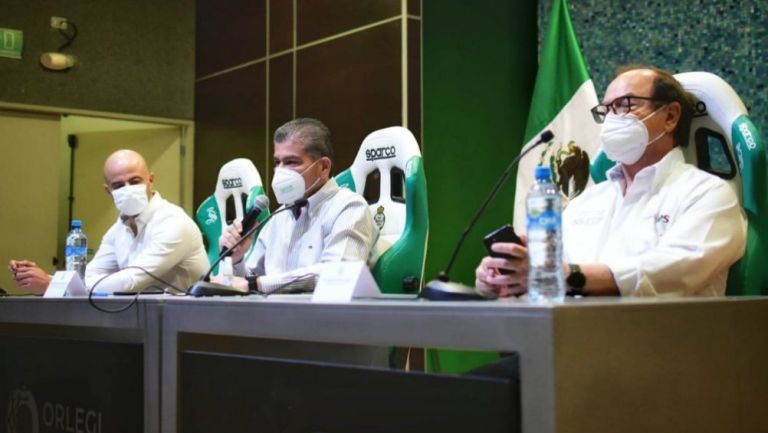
point(229, 34)
point(353, 82)
point(414, 77)
point(353, 85)
point(280, 25)
point(230, 123)
point(322, 18)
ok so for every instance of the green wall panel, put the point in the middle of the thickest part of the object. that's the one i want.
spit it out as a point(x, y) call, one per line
point(479, 63)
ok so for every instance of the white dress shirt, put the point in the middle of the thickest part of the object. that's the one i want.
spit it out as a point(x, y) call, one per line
point(677, 229)
point(335, 226)
point(168, 244)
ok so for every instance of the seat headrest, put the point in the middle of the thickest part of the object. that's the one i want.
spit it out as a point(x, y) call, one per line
point(238, 175)
point(722, 102)
point(385, 149)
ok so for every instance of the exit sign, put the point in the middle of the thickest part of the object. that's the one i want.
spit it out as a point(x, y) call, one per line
point(11, 42)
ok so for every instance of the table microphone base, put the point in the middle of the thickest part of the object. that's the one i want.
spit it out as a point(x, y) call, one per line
point(205, 288)
point(437, 290)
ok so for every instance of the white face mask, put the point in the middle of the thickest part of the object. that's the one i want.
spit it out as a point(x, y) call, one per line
point(131, 200)
point(289, 185)
point(624, 138)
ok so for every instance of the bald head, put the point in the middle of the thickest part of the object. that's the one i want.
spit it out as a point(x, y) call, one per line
point(122, 160)
point(126, 167)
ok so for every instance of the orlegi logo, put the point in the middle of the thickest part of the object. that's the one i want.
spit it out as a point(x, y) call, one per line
point(380, 153)
point(234, 182)
point(23, 416)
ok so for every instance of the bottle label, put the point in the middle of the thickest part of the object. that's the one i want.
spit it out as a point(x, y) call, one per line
point(546, 220)
point(71, 250)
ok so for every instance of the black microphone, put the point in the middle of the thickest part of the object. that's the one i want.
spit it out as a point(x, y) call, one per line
point(442, 288)
point(205, 288)
point(259, 204)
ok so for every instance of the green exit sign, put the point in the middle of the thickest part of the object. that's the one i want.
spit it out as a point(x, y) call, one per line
point(11, 42)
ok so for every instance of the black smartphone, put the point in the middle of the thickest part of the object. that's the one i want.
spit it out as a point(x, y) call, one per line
point(504, 233)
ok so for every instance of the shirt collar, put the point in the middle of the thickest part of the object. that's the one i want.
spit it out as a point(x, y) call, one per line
point(651, 176)
point(320, 196)
point(143, 218)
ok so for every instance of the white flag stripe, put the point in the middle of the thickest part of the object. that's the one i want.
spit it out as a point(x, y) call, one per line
point(573, 123)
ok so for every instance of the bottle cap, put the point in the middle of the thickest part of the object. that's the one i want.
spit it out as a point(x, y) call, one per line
point(542, 173)
point(76, 224)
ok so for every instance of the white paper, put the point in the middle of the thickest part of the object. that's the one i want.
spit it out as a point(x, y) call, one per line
point(65, 283)
point(344, 281)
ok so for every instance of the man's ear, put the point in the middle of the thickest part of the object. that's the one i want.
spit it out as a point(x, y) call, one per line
point(151, 181)
point(326, 164)
point(674, 111)
point(106, 188)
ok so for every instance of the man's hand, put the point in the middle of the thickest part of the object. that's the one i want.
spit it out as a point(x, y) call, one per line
point(230, 237)
point(29, 276)
point(488, 278)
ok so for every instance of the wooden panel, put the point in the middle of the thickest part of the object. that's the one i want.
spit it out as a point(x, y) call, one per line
point(280, 25)
point(230, 123)
point(414, 77)
point(321, 18)
point(229, 36)
point(353, 85)
point(280, 91)
point(414, 7)
point(280, 107)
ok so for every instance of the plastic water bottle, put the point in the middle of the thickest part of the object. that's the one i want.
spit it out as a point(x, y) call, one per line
point(227, 271)
point(545, 240)
point(76, 251)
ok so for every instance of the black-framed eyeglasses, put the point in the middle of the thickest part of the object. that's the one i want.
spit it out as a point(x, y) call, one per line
point(621, 105)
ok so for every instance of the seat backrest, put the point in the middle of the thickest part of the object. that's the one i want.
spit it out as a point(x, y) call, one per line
point(240, 180)
point(724, 141)
point(400, 211)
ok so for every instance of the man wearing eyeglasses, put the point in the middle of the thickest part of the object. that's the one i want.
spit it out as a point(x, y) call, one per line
point(657, 226)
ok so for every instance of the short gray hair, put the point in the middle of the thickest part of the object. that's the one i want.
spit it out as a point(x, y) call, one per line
point(313, 135)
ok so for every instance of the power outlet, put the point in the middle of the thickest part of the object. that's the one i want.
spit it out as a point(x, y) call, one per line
point(58, 23)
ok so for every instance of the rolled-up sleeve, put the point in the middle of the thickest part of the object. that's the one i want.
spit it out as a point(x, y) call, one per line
point(708, 236)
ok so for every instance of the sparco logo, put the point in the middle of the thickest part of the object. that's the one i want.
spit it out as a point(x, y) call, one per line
point(23, 416)
point(748, 138)
point(380, 153)
point(235, 182)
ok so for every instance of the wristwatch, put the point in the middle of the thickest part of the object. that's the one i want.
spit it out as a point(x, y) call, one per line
point(576, 280)
point(253, 283)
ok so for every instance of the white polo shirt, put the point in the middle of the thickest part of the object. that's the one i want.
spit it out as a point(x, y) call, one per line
point(168, 244)
point(336, 226)
point(676, 231)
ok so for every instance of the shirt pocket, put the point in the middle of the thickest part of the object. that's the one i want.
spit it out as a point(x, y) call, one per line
point(642, 235)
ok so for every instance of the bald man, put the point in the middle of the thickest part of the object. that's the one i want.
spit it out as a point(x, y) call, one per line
point(150, 234)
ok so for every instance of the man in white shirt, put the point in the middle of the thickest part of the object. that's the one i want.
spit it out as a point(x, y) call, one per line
point(151, 234)
point(657, 226)
point(335, 226)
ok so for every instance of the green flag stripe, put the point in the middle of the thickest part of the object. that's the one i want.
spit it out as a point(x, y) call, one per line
point(561, 71)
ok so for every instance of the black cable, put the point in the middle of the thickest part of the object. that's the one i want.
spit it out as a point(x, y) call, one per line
point(69, 38)
point(136, 296)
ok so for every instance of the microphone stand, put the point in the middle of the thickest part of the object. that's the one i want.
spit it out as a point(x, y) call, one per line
point(442, 288)
point(206, 288)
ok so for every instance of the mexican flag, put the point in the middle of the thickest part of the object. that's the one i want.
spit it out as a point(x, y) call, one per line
point(562, 98)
